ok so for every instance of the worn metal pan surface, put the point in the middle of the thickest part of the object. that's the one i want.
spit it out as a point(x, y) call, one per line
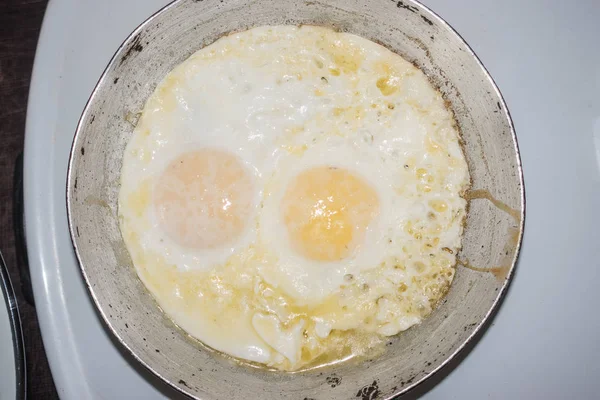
point(494, 223)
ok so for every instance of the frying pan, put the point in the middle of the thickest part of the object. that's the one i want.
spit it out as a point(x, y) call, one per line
point(494, 224)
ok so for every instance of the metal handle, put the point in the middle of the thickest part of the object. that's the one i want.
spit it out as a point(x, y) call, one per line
point(19, 230)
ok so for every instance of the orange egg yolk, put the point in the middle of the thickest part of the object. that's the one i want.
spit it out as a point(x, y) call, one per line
point(326, 211)
point(204, 198)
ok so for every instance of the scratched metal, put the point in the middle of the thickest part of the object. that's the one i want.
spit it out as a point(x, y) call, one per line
point(493, 228)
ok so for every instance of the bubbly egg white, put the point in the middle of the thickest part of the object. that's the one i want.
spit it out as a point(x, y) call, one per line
point(284, 100)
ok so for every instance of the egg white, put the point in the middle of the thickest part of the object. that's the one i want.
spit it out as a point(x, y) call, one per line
point(308, 281)
point(285, 99)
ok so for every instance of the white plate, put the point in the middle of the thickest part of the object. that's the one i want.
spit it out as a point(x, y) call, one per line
point(545, 58)
point(12, 359)
point(8, 379)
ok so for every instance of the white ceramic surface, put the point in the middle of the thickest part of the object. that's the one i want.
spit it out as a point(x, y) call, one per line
point(8, 380)
point(543, 55)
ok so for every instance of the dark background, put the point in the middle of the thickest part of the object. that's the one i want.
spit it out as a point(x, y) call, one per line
point(20, 22)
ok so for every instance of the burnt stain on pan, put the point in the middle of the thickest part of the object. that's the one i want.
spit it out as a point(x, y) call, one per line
point(427, 20)
point(333, 380)
point(400, 4)
point(136, 46)
point(369, 392)
point(420, 44)
point(184, 383)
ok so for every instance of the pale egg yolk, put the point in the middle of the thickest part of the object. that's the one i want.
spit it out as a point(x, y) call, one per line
point(326, 211)
point(204, 198)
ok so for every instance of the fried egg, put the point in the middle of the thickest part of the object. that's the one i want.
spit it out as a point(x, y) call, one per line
point(293, 195)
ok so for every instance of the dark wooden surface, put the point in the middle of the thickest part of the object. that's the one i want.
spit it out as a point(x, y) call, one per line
point(20, 22)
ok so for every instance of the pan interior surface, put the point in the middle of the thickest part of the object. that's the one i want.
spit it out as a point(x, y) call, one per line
point(492, 233)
